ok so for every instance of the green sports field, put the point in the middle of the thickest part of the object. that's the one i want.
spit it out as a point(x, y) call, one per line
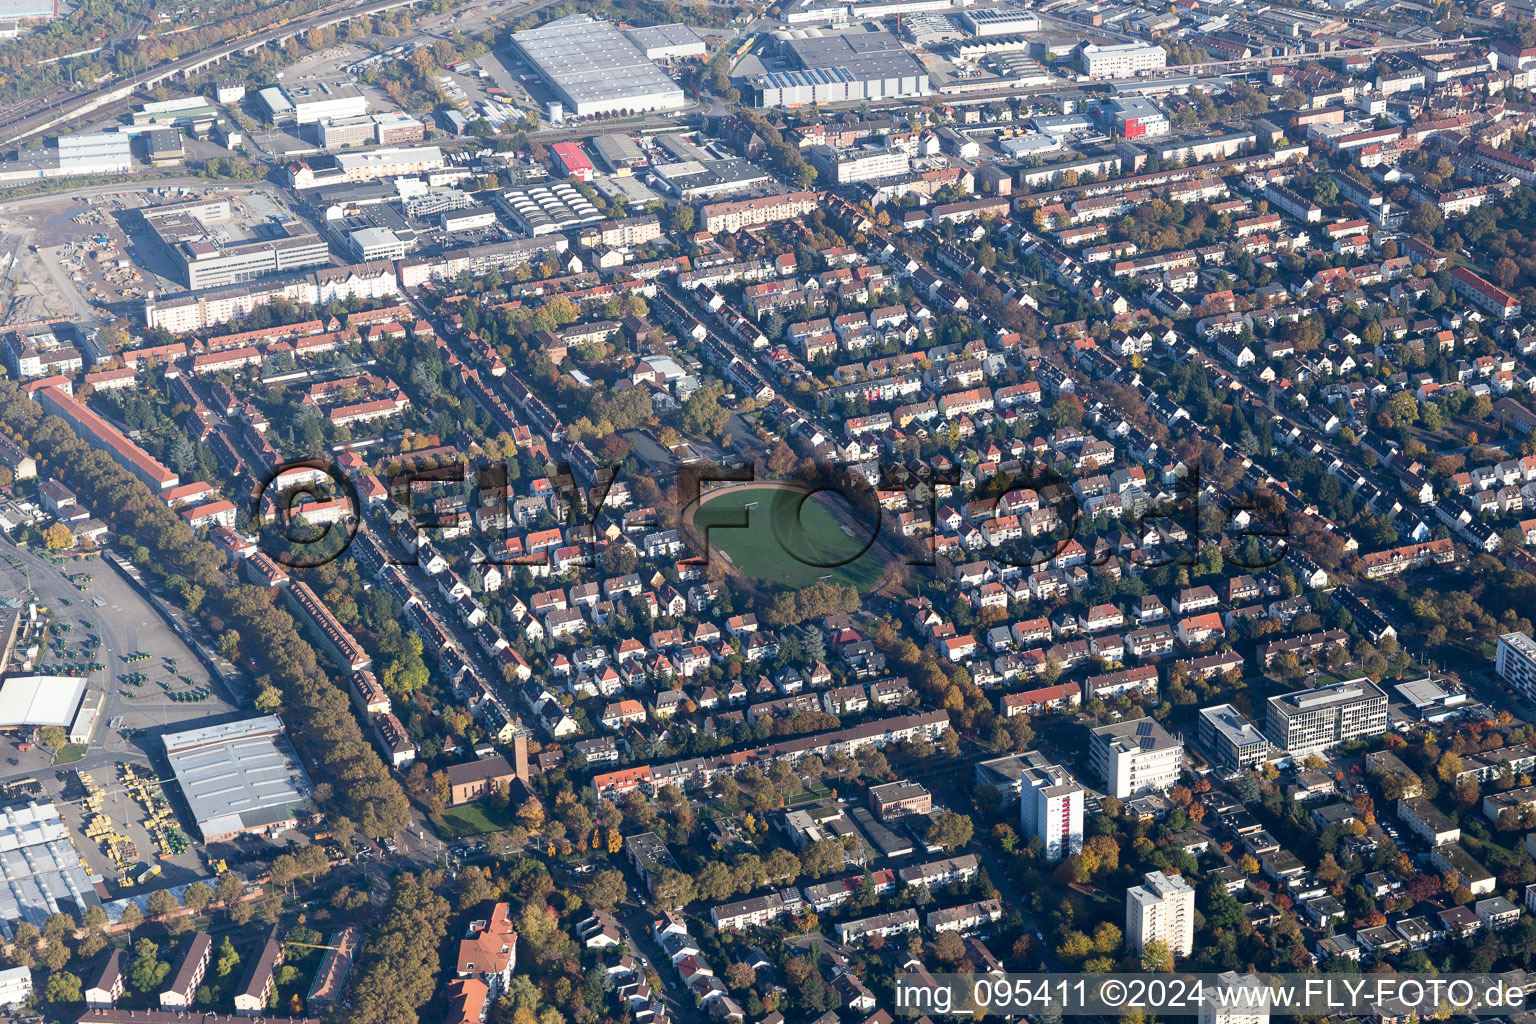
point(784, 531)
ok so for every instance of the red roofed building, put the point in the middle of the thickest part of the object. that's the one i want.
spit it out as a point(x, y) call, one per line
point(467, 1001)
point(489, 952)
point(213, 513)
point(188, 494)
point(626, 780)
point(228, 359)
point(1046, 698)
point(100, 434)
point(1198, 629)
point(572, 162)
point(1484, 295)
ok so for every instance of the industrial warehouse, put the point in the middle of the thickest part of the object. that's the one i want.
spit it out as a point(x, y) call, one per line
point(595, 69)
point(838, 67)
point(239, 777)
point(40, 870)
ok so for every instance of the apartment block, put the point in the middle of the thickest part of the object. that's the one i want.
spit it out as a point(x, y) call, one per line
point(1050, 806)
point(1515, 662)
point(1161, 909)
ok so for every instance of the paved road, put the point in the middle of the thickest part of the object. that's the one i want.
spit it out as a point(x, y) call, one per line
point(636, 922)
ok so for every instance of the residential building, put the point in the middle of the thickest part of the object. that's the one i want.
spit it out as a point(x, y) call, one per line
point(256, 985)
point(1515, 662)
point(1161, 909)
point(179, 994)
point(488, 951)
point(1050, 806)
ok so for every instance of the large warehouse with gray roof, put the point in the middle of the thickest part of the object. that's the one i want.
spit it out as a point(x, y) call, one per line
point(839, 67)
point(594, 68)
point(239, 777)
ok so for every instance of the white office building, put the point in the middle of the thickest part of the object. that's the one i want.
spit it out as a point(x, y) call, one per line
point(1309, 722)
point(1135, 757)
point(1050, 806)
point(313, 102)
point(847, 166)
point(1161, 909)
point(1232, 741)
point(1121, 60)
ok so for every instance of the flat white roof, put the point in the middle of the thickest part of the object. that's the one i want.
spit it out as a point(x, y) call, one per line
point(39, 867)
point(40, 700)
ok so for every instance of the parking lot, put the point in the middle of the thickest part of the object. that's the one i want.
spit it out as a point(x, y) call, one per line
point(162, 688)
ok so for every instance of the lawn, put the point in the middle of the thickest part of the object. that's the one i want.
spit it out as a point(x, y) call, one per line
point(70, 754)
point(783, 533)
point(471, 820)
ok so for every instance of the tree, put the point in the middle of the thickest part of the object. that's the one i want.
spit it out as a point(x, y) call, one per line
point(949, 947)
point(269, 700)
point(1505, 270)
point(147, 970)
point(162, 904)
point(1156, 958)
point(229, 888)
point(1107, 938)
point(821, 858)
point(703, 414)
point(950, 830)
point(607, 890)
point(1067, 411)
point(229, 959)
point(740, 976)
point(57, 537)
point(197, 897)
point(474, 888)
point(672, 888)
point(63, 987)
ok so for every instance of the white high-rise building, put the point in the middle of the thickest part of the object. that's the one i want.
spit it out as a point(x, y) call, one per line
point(1050, 806)
point(1161, 909)
point(1515, 661)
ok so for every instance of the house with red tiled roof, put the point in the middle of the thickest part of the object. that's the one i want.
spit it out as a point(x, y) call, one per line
point(488, 952)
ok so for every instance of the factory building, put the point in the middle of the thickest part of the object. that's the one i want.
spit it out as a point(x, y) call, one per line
point(239, 777)
point(999, 21)
point(312, 102)
point(97, 153)
point(667, 42)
